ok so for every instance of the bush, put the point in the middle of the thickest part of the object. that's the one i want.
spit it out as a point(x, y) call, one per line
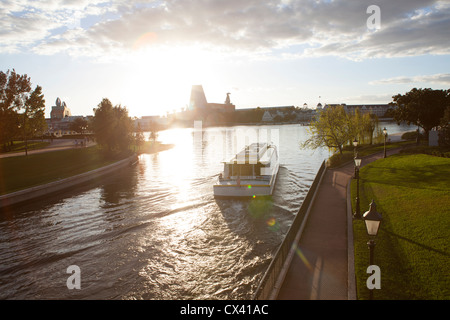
point(434, 151)
point(411, 135)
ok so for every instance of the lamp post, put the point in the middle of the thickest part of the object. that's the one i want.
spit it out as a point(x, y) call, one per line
point(355, 144)
point(385, 136)
point(372, 219)
point(357, 214)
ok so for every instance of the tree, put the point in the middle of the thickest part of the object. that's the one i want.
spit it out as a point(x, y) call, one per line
point(330, 129)
point(112, 126)
point(21, 109)
point(422, 107)
point(154, 129)
point(32, 120)
point(139, 137)
point(355, 126)
point(369, 126)
point(14, 91)
point(444, 135)
point(79, 125)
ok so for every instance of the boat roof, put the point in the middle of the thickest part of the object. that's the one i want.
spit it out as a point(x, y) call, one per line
point(252, 154)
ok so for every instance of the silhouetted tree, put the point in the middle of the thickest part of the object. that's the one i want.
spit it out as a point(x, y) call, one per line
point(112, 126)
point(32, 119)
point(444, 136)
point(21, 109)
point(422, 107)
point(139, 137)
point(79, 125)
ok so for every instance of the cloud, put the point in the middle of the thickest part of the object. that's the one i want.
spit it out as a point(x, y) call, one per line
point(246, 27)
point(440, 78)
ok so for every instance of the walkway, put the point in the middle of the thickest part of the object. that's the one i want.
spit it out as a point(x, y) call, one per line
point(55, 145)
point(321, 270)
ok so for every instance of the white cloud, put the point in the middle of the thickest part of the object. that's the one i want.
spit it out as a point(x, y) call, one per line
point(440, 78)
point(408, 27)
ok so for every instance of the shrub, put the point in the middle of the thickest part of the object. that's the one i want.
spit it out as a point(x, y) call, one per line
point(411, 135)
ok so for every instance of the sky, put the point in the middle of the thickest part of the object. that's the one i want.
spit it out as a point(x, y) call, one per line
point(146, 55)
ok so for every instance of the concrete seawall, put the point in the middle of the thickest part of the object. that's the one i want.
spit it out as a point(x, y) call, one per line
point(63, 184)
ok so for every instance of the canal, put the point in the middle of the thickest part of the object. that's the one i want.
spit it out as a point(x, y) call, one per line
point(155, 231)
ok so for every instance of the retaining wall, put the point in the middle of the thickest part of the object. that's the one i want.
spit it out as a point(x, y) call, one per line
point(60, 185)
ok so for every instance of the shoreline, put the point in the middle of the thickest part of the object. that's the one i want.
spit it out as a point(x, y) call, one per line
point(45, 189)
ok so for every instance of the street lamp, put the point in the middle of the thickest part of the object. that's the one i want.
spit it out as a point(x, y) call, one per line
point(385, 136)
point(355, 144)
point(372, 219)
point(357, 214)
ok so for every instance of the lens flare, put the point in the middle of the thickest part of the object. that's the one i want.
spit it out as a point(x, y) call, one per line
point(302, 257)
point(145, 40)
point(271, 222)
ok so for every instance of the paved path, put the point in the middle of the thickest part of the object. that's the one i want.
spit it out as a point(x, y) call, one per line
point(55, 145)
point(320, 269)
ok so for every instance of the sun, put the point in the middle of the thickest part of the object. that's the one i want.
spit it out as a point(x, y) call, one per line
point(159, 80)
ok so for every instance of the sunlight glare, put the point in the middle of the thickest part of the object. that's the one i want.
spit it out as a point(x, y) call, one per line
point(160, 79)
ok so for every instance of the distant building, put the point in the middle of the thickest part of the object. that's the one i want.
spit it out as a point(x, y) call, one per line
point(377, 109)
point(60, 119)
point(198, 98)
point(267, 114)
point(198, 101)
point(267, 117)
point(59, 111)
point(148, 123)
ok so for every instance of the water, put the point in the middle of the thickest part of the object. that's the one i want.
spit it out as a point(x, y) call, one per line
point(155, 231)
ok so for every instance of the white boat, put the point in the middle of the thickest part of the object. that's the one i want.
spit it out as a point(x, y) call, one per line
point(251, 173)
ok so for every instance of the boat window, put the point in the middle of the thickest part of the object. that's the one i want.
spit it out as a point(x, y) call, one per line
point(246, 169)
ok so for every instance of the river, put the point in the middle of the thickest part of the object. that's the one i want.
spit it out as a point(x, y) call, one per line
point(155, 231)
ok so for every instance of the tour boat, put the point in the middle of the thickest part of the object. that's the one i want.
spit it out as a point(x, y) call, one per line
point(250, 173)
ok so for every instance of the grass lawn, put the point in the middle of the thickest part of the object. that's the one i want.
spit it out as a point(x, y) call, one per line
point(22, 172)
point(412, 192)
point(364, 150)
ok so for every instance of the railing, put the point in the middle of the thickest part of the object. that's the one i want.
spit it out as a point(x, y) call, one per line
point(269, 281)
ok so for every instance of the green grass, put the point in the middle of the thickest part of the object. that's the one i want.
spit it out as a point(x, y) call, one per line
point(412, 192)
point(347, 155)
point(22, 172)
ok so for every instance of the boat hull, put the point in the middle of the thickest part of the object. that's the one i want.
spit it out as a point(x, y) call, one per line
point(221, 191)
point(246, 189)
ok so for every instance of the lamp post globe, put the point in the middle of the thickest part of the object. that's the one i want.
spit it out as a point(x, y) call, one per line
point(357, 214)
point(372, 219)
point(385, 136)
point(355, 144)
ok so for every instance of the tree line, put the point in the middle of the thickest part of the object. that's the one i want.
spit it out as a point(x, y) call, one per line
point(427, 108)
